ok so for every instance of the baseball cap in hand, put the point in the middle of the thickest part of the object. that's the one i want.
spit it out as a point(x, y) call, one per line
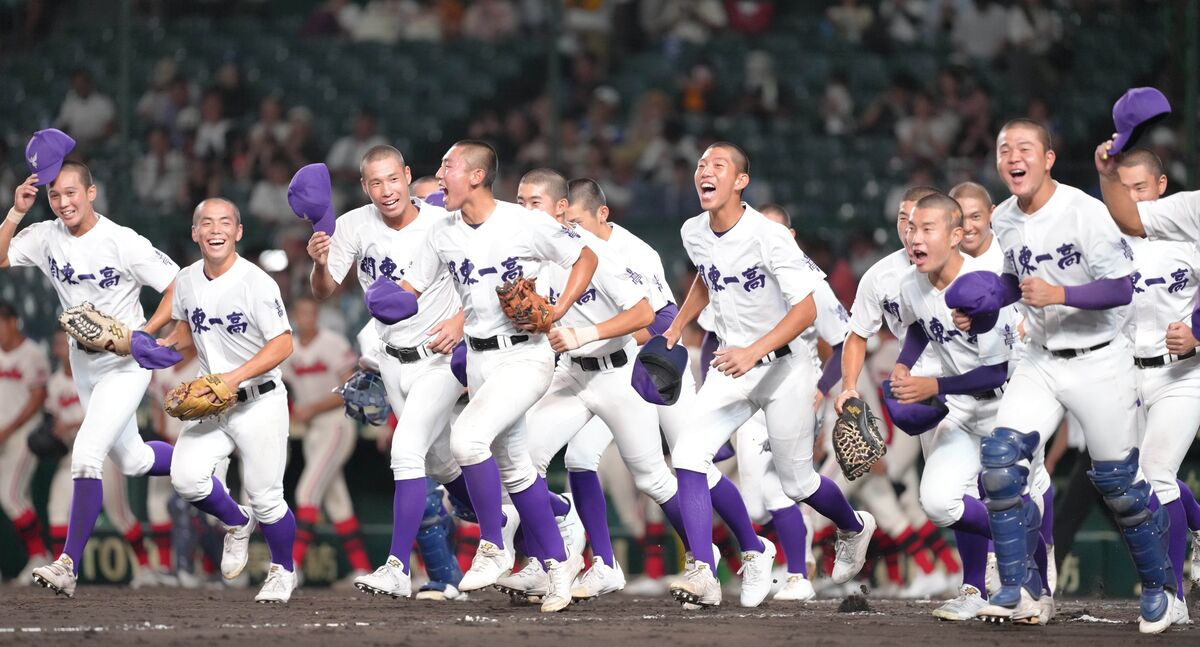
point(658, 371)
point(916, 418)
point(310, 195)
point(1134, 113)
point(980, 295)
point(45, 153)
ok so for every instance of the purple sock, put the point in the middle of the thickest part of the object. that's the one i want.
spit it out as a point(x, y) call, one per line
point(1039, 554)
point(219, 504)
point(1177, 536)
point(789, 525)
point(593, 511)
point(408, 508)
point(829, 501)
point(537, 518)
point(281, 536)
point(483, 484)
point(671, 509)
point(558, 504)
point(728, 503)
point(86, 501)
point(695, 505)
point(972, 550)
point(1188, 500)
point(162, 458)
point(1047, 528)
point(974, 519)
point(458, 489)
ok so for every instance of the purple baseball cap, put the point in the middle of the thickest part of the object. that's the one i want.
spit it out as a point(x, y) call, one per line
point(437, 199)
point(1134, 113)
point(388, 302)
point(658, 371)
point(45, 153)
point(458, 362)
point(310, 195)
point(980, 295)
point(916, 418)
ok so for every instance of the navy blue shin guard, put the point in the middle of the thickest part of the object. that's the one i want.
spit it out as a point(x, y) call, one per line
point(434, 540)
point(1014, 519)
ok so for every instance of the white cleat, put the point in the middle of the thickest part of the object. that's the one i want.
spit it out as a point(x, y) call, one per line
point(1051, 569)
point(1027, 612)
point(851, 550)
point(346, 583)
point(1195, 574)
point(689, 563)
point(58, 576)
point(796, 588)
point(991, 577)
point(531, 581)
point(756, 574)
point(645, 586)
point(489, 563)
point(278, 587)
point(25, 577)
point(964, 607)
point(570, 526)
point(444, 593)
point(599, 580)
point(144, 577)
point(925, 586)
point(560, 575)
point(508, 534)
point(389, 579)
point(237, 547)
point(1168, 618)
point(1180, 614)
point(698, 587)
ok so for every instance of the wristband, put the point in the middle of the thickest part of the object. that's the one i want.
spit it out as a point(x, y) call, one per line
point(15, 216)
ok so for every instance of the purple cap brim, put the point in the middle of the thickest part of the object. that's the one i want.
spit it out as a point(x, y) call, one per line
point(1134, 113)
point(45, 153)
point(311, 197)
point(388, 302)
point(916, 418)
point(644, 385)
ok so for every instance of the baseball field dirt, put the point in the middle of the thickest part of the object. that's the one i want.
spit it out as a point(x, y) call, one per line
point(102, 615)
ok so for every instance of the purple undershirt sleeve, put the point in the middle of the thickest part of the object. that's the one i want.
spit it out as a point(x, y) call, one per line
point(663, 319)
point(1101, 294)
point(976, 380)
point(914, 344)
point(832, 372)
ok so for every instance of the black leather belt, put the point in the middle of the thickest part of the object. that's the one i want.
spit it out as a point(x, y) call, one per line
point(1070, 353)
point(85, 349)
point(616, 360)
point(495, 343)
point(1162, 360)
point(782, 351)
point(984, 396)
point(407, 354)
point(255, 391)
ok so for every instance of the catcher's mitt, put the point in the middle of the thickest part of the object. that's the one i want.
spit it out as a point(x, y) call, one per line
point(524, 306)
point(207, 395)
point(95, 330)
point(857, 442)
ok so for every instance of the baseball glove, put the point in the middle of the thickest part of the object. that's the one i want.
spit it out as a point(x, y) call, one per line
point(857, 442)
point(95, 330)
point(524, 306)
point(207, 395)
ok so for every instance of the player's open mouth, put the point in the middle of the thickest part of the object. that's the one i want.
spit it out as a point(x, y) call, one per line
point(391, 203)
point(707, 189)
point(1017, 172)
point(919, 256)
point(216, 242)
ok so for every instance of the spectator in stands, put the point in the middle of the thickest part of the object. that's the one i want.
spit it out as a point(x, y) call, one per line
point(348, 151)
point(421, 21)
point(86, 115)
point(379, 21)
point(698, 93)
point(1033, 27)
point(672, 22)
point(902, 20)
point(888, 107)
point(212, 132)
point(236, 96)
point(762, 93)
point(601, 124)
point(979, 30)
point(925, 133)
point(490, 20)
point(301, 147)
point(323, 21)
point(8, 174)
point(156, 100)
point(203, 181)
point(837, 105)
point(268, 199)
point(270, 121)
point(160, 172)
point(850, 19)
point(181, 113)
point(750, 17)
point(660, 155)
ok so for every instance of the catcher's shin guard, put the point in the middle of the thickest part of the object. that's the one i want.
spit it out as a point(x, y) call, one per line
point(1014, 519)
point(1145, 531)
point(434, 537)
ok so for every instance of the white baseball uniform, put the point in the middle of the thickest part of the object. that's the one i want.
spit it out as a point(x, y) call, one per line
point(107, 266)
point(876, 303)
point(22, 370)
point(1175, 217)
point(1071, 240)
point(755, 273)
point(508, 378)
point(312, 372)
point(420, 385)
point(594, 379)
point(952, 463)
point(1164, 290)
point(232, 317)
point(158, 489)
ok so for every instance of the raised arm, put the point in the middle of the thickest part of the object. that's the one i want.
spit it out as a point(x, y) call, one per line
point(23, 199)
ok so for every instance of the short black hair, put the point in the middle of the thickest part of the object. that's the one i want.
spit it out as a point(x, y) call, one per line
point(7, 311)
point(1142, 157)
point(945, 204)
point(741, 161)
point(915, 193)
point(1025, 122)
point(482, 155)
point(587, 194)
point(549, 179)
point(85, 173)
point(378, 152)
point(970, 189)
point(777, 208)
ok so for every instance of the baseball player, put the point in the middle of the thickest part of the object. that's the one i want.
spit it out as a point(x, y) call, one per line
point(23, 373)
point(379, 240)
point(232, 312)
point(591, 379)
point(1164, 351)
point(1071, 272)
point(588, 210)
point(760, 286)
point(486, 244)
point(320, 362)
point(974, 367)
point(108, 269)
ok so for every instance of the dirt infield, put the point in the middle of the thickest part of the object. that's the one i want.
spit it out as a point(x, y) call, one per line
point(109, 615)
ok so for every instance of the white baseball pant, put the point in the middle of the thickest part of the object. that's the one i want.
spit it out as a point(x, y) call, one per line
point(327, 444)
point(115, 501)
point(1171, 398)
point(757, 479)
point(118, 385)
point(17, 465)
point(423, 395)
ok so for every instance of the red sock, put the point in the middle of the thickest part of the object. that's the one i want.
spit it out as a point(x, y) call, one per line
point(160, 534)
point(29, 527)
point(306, 522)
point(468, 543)
point(914, 546)
point(891, 557)
point(933, 539)
point(351, 536)
point(137, 542)
point(652, 547)
point(58, 540)
point(207, 565)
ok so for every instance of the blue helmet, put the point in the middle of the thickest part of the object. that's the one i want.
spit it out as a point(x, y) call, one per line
point(365, 398)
